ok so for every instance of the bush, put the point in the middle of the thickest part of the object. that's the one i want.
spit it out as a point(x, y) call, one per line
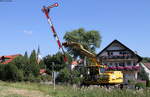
point(75, 77)
point(45, 78)
point(140, 85)
point(64, 76)
point(131, 82)
point(31, 78)
point(147, 83)
point(2, 72)
point(10, 72)
point(70, 77)
point(20, 75)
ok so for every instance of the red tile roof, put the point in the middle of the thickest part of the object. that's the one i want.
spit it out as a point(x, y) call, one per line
point(147, 65)
point(9, 58)
point(74, 63)
point(42, 71)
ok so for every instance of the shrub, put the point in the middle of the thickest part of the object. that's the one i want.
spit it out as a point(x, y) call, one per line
point(2, 72)
point(10, 72)
point(64, 76)
point(140, 85)
point(31, 78)
point(75, 77)
point(147, 83)
point(45, 78)
point(20, 75)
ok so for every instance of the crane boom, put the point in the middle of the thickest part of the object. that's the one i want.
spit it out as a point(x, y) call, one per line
point(82, 50)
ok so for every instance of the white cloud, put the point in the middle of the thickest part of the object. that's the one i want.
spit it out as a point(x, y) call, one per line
point(28, 32)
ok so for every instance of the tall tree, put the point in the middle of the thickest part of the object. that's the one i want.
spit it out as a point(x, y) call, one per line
point(26, 55)
point(57, 59)
point(33, 57)
point(146, 59)
point(34, 66)
point(89, 39)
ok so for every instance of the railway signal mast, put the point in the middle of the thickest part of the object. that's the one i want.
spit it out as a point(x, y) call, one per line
point(46, 11)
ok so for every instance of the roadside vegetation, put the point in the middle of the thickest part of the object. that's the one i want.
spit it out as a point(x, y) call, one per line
point(37, 90)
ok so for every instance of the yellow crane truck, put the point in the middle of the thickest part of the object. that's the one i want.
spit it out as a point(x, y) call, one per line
point(97, 73)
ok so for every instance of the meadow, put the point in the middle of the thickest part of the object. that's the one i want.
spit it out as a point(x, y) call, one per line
point(27, 89)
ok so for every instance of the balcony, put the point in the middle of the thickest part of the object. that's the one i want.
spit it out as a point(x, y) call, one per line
point(118, 57)
point(126, 68)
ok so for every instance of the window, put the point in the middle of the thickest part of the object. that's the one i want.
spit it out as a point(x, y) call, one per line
point(134, 63)
point(108, 53)
point(116, 64)
point(129, 63)
point(121, 64)
point(111, 53)
point(121, 53)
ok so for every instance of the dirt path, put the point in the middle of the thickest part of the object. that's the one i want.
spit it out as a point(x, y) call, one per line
point(8, 91)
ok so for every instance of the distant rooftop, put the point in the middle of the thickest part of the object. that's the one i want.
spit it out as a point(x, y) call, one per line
point(7, 59)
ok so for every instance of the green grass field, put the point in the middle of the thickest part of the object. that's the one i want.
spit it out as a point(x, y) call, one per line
point(38, 90)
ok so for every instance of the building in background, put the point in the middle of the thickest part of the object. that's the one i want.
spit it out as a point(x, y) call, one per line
point(117, 56)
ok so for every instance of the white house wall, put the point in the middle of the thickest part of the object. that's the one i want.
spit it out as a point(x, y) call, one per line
point(115, 47)
point(117, 50)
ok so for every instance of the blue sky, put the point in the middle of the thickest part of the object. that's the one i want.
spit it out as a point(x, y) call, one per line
point(23, 26)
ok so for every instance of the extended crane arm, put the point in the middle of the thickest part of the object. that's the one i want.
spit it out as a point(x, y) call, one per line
point(82, 50)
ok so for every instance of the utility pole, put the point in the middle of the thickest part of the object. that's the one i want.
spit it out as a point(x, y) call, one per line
point(53, 74)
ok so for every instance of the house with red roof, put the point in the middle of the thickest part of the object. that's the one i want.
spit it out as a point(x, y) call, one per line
point(8, 59)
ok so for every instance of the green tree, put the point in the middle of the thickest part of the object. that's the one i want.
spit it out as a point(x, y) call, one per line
point(26, 55)
point(75, 77)
point(42, 64)
point(20, 62)
point(2, 72)
point(146, 59)
point(64, 76)
point(89, 39)
point(142, 75)
point(10, 72)
point(33, 57)
point(57, 60)
point(34, 66)
point(70, 77)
